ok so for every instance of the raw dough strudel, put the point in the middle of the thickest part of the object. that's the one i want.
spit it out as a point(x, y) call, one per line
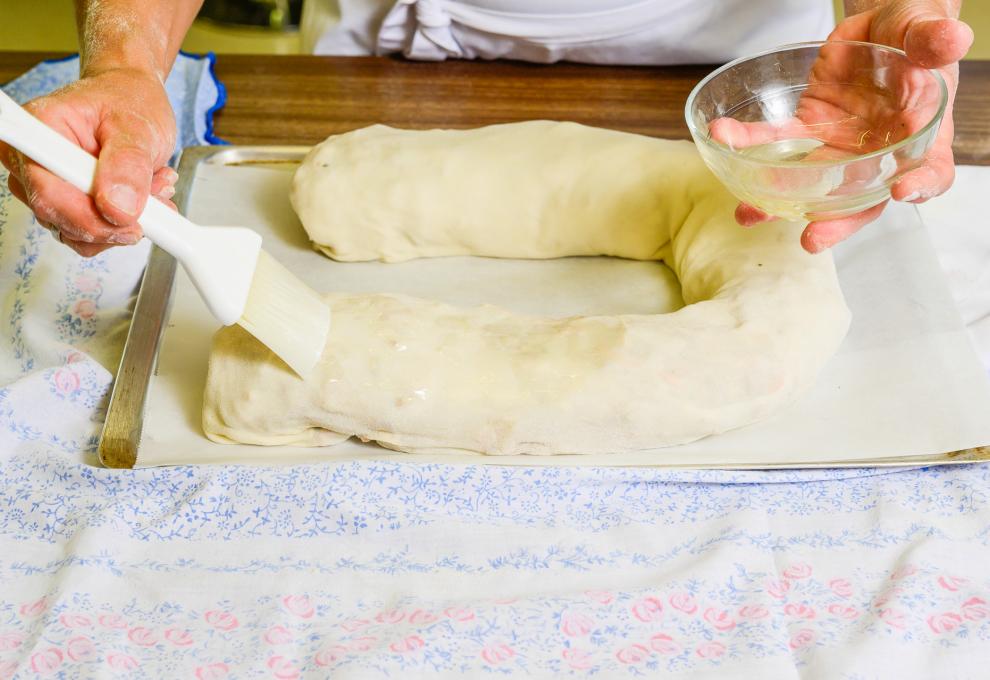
point(762, 315)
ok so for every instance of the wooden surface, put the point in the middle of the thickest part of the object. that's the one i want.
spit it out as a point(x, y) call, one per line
point(302, 99)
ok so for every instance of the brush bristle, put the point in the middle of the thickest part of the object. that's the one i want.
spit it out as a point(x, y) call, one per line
point(285, 314)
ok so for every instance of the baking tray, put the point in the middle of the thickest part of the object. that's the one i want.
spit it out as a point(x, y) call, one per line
point(121, 435)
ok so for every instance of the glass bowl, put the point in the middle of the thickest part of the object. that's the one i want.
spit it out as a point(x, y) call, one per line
point(816, 130)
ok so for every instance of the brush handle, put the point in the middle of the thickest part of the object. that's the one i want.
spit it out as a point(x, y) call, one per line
point(18, 128)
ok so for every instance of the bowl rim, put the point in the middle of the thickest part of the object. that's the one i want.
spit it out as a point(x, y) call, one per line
point(705, 136)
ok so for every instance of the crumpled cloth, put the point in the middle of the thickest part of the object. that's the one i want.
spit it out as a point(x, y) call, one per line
point(369, 569)
point(591, 31)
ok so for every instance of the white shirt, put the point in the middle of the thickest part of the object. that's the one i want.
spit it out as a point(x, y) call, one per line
point(591, 31)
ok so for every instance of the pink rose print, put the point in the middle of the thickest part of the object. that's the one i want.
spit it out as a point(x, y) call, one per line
point(32, 609)
point(458, 614)
point(578, 659)
point(843, 612)
point(283, 668)
point(84, 309)
point(66, 381)
point(802, 638)
point(946, 622)
point(75, 621)
point(7, 669)
point(893, 618)
point(574, 624)
point(363, 644)
point(710, 650)
point(278, 635)
point(840, 587)
point(47, 661)
point(330, 655)
point(648, 609)
point(903, 572)
point(352, 625)
point(11, 640)
point(798, 571)
point(391, 617)
point(777, 589)
point(299, 605)
point(420, 617)
point(885, 597)
point(683, 602)
point(600, 596)
point(633, 654)
point(112, 621)
point(719, 620)
point(801, 611)
point(178, 637)
point(122, 662)
point(221, 620)
point(975, 609)
point(407, 645)
point(213, 671)
point(74, 357)
point(663, 643)
point(87, 283)
point(753, 611)
point(952, 583)
point(142, 637)
point(80, 649)
point(497, 653)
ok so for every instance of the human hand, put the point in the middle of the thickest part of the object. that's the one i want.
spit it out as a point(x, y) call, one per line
point(123, 117)
point(932, 38)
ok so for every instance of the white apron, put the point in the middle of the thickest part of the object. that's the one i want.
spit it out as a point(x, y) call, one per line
point(591, 31)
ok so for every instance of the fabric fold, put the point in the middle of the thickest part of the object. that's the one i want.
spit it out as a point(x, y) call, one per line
point(613, 31)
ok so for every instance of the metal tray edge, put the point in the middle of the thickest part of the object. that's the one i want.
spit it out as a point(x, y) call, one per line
point(121, 433)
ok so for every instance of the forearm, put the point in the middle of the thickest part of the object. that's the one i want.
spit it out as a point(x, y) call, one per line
point(138, 34)
point(857, 6)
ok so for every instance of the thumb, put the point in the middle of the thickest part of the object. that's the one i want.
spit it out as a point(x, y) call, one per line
point(124, 174)
point(934, 43)
point(928, 30)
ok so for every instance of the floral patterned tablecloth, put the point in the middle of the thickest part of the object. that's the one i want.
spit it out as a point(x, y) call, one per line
point(365, 569)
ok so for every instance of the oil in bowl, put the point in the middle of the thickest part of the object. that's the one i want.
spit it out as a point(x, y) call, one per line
point(816, 130)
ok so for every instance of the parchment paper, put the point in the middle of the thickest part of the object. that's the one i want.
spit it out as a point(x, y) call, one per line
point(905, 383)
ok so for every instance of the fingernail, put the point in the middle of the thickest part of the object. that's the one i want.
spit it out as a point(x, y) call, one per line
point(124, 199)
point(913, 196)
point(171, 176)
point(167, 192)
point(125, 238)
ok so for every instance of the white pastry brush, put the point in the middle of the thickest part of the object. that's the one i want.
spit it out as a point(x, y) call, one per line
point(238, 280)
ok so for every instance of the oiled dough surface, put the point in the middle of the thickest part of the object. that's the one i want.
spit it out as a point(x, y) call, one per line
point(762, 316)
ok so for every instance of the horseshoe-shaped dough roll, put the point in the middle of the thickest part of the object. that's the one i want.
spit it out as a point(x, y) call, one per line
point(762, 315)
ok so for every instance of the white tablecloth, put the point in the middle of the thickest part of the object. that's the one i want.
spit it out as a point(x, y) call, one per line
point(364, 570)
